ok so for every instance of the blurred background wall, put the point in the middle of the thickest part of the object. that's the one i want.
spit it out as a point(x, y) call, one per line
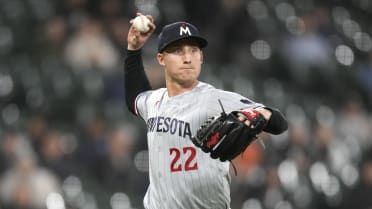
point(67, 140)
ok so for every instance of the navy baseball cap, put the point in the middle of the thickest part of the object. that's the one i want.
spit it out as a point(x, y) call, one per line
point(177, 31)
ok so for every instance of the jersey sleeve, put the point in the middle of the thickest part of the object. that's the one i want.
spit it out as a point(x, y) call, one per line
point(231, 101)
point(140, 104)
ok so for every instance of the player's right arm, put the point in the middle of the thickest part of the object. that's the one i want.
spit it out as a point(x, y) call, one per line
point(135, 79)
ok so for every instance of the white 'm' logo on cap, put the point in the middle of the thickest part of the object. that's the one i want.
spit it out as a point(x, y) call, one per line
point(185, 30)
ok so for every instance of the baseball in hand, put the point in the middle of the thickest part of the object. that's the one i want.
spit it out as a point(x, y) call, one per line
point(141, 23)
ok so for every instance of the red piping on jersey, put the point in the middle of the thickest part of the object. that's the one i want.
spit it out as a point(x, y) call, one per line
point(135, 106)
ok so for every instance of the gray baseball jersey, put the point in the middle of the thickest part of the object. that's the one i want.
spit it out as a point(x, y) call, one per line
point(181, 175)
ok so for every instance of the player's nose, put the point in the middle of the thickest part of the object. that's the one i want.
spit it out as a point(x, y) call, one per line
point(187, 57)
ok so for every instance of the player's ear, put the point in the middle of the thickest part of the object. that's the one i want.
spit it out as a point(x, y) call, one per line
point(160, 58)
point(201, 56)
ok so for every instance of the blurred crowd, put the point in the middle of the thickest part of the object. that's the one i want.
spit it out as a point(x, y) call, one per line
point(67, 140)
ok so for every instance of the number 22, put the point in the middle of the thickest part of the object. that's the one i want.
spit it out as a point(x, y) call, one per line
point(189, 164)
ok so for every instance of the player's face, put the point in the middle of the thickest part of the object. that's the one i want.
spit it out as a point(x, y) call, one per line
point(182, 62)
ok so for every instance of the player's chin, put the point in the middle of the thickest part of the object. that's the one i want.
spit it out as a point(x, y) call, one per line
point(188, 74)
point(187, 80)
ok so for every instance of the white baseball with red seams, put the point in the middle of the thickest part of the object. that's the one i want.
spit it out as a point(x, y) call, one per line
point(181, 175)
point(141, 23)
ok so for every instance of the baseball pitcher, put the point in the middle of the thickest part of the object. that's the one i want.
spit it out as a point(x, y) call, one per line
point(194, 130)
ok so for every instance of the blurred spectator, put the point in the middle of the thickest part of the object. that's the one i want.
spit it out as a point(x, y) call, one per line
point(364, 76)
point(323, 138)
point(92, 149)
point(56, 34)
point(251, 158)
point(247, 181)
point(272, 194)
point(309, 53)
point(56, 154)
point(90, 48)
point(360, 195)
point(14, 147)
point(118, 28)
point(26, 185)
point(36, 128)
point(354, 121)
point(110, 9)
point(119, 169)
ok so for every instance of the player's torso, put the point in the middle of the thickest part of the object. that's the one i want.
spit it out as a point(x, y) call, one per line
point(181, 175)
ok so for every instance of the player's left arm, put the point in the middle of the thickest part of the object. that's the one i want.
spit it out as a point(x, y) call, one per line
point(273, 120)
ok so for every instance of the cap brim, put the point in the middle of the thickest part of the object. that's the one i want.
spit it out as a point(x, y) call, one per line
point(201, 42)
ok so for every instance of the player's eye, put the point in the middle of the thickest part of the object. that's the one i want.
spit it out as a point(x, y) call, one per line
point(195, 49)
point(178, 51)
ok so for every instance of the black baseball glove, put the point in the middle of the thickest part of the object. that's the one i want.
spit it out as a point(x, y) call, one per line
point(226, 136)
